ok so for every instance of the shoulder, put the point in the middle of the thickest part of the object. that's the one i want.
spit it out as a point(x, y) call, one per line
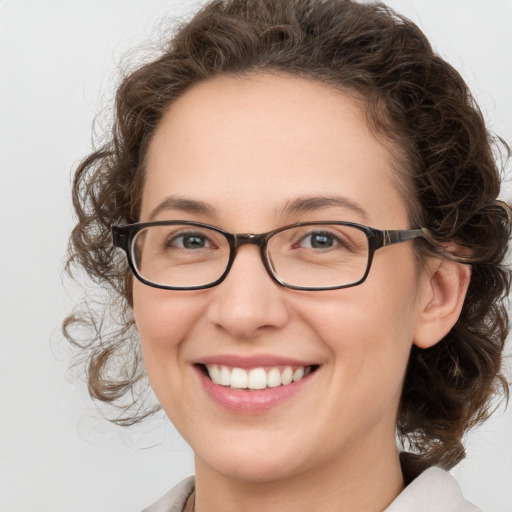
point(434, 490)
point(175, 499)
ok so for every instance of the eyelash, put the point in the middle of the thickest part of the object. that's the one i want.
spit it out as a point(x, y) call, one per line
point(171, 240)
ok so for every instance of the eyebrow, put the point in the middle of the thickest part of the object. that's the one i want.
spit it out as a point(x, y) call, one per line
point(308, 204)
point(185, 205)
point(298, 205)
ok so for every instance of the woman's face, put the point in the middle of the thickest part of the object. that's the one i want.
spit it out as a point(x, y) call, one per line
point(245, 154)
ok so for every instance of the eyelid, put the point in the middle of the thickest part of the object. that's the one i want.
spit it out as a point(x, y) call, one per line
point(344, 240)
point(214, 239)
point(309, 231)
point(173, 236)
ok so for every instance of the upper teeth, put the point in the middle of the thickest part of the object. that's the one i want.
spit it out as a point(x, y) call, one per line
point(257, 378)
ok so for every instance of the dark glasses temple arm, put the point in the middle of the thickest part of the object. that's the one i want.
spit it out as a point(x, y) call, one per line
point(120, 237)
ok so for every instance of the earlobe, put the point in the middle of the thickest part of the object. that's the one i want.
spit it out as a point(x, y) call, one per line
point(443, 297)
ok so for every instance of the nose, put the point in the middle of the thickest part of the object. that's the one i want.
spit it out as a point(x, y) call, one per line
point(248, 302)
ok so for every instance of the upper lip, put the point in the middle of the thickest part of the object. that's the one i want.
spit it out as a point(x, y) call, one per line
point(237, 361)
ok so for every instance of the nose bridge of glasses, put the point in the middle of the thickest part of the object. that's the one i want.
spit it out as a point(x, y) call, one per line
point(249, 238)
point(260, 240)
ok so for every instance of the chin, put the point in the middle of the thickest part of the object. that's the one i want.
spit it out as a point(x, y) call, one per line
point(256, 471)
point(248, 462)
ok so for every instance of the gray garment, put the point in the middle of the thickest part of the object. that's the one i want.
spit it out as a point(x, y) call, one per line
point(176, 499)
point(435, 490)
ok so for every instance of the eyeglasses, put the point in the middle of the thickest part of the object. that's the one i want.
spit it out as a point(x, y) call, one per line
point(183, 255)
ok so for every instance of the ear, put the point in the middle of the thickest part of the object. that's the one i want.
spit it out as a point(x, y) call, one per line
point(444, 290)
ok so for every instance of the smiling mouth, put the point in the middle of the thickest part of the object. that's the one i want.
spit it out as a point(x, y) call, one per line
point(255, 378)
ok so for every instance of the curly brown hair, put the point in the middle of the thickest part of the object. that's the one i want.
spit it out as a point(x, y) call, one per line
point(447, 168)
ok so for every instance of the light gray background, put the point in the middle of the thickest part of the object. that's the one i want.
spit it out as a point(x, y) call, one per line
point(56, 68)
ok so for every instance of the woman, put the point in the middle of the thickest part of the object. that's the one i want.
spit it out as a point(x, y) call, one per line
point(307, 199)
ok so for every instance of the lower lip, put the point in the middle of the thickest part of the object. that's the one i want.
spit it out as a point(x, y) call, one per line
point(250, 402)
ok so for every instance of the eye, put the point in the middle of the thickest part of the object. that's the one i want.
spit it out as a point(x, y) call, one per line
point(189, 240)
point(319, 240)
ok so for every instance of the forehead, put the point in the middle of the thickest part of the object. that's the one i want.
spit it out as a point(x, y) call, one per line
point(257, 142)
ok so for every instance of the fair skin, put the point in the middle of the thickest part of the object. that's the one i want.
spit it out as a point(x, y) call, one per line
point(247, 148)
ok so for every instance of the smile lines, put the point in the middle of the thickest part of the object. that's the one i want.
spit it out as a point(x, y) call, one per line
point(256, 378)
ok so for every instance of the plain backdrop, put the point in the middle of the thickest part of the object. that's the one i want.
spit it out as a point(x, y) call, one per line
point(57, 69)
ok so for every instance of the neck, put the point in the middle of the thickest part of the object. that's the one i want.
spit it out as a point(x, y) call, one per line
point(359, 481)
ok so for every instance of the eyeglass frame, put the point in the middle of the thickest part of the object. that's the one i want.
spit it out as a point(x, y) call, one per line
point(123, 234)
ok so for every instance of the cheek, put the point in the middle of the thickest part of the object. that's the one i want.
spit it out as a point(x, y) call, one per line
point(164, 319)
point(365, 329)
point(369, 328)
